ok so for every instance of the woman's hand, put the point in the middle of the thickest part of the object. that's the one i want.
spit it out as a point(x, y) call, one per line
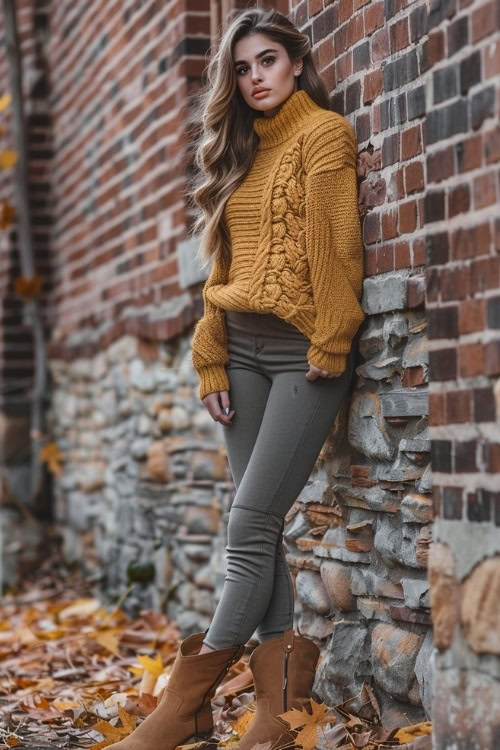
point(315, 372)
point(216, 403)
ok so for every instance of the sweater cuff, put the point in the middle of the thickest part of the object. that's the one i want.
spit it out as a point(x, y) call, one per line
point(212, 378)
point(335, 363)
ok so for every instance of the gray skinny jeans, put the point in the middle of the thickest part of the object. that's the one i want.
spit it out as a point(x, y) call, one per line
point(280, 424)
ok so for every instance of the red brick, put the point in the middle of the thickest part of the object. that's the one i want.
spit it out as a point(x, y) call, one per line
point(325, 53)
point(374, 17)
point(314, 7)
point(484, 190)
point(380, 45)
point(385, 258)
point(418, 253)
point(468, 242)
point(437, 409)
point(458, 407)
point(345, 11)
point(455, 283)
point(435, 47)
point(401, 255)
point(372, 86)
point(471, 360)
point(399, 36)
point(471, 316)
point(355, 30)
point(412, 376)
point(411, 142)
point(492, 366)
point(472, 154)
point(484, 21)
point(343, 67)
point(414, 177)
point(458, 200)
point(485, 274)
point(491, 452)
point(407, 217)
point(389, 225)
point(440, 165)
point(370, 261)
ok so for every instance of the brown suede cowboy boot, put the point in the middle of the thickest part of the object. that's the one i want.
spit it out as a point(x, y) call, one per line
point(184, 713)
point(283, 669)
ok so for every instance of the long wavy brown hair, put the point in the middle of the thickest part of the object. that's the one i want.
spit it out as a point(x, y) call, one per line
point(226, 145)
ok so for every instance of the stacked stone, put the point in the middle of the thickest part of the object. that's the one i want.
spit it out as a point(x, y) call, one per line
point(145, 485)
point(358, 537)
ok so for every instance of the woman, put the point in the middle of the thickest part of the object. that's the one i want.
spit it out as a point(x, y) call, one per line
point(275, 350)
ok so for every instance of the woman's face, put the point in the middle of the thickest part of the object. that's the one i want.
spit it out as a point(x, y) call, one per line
point(261, 63)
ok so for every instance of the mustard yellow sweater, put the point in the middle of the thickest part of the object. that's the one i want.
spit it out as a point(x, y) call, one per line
point(296, 246)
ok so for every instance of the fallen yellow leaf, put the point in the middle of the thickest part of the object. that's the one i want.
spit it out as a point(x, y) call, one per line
point(153, 666)
point(109, 639)
point(5, 100)
point(8, 158)
point(114, 734)
point(407, 734)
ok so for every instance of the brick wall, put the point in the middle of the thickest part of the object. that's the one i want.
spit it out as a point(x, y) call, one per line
point(16, 346)
point(463, 303)
point(144, 486)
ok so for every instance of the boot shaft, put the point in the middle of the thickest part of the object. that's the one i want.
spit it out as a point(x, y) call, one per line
point(195, 676)
point(288, 661)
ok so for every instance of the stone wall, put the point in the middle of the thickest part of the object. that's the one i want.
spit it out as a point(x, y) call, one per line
point(145, 491)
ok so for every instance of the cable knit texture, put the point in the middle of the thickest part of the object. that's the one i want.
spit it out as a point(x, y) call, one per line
point(296, 246)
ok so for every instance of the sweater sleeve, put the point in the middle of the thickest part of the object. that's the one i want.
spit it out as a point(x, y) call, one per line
point(209, 343)
point(334, 247)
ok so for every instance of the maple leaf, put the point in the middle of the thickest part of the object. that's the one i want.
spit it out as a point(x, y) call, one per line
point(114, 734)
point(311, 722)
point(51, 454)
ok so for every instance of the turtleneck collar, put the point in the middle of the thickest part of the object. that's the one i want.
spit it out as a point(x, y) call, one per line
point(274, 130)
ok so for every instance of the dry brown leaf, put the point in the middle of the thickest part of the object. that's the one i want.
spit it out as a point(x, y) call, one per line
point(7, 212)
point(242, 723)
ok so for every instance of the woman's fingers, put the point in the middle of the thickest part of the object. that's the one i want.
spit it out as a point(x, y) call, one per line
point(216, 403)
point(315, 372)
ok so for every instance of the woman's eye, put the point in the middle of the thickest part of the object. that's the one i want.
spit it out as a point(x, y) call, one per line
point(244, 67)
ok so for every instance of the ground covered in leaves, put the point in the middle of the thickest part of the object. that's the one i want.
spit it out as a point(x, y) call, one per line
point(77, 674)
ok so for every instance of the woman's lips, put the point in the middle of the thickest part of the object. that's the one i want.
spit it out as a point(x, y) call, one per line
point(260, 94)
